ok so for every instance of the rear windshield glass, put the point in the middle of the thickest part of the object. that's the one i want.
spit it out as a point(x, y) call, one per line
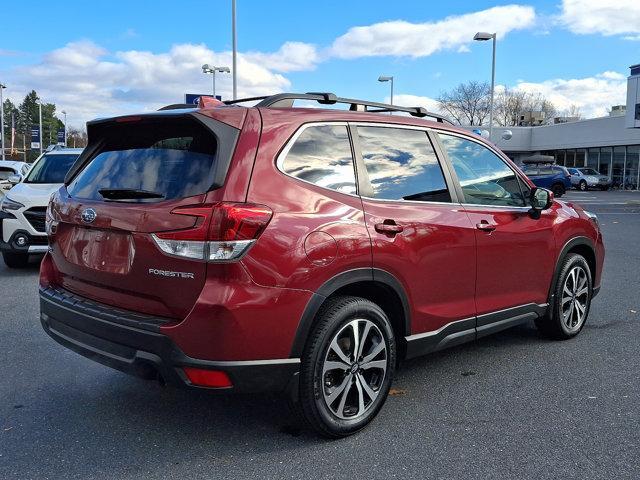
point(51, 168)
point(149, 162)
point(6, 172)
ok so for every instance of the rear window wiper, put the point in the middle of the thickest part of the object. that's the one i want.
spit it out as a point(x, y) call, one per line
point(127, 194)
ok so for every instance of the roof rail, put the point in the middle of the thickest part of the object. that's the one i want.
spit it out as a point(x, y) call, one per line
point(285, 100)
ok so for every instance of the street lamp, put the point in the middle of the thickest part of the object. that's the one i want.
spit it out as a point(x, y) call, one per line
point(383, 78)
point(482, 37)
point(212, 69)
point(2, 87)
point(65, 126)
point(40, 122)
point(234, 42)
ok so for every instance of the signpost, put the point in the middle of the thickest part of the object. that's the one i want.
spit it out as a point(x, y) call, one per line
point(35, 137)
point(192, 98)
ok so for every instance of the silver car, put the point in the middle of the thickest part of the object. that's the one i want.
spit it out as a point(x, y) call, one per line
point(585, 178)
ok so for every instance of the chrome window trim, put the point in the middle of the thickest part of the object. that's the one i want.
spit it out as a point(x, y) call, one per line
point(287, 147)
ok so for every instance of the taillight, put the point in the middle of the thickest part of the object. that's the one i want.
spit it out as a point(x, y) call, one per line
point(224, 231)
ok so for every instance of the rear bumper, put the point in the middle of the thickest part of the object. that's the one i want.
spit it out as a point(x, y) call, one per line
point(132, 343)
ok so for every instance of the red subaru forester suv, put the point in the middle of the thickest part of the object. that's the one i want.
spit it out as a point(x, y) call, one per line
point(303, 250)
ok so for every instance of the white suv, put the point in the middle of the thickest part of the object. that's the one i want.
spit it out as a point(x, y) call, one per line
point(23, 208)
point(8, 171)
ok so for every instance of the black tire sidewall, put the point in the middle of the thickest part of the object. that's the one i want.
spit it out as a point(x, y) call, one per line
point(582, 186)
point(15, 260)
point(571, 261)
point(329, 324)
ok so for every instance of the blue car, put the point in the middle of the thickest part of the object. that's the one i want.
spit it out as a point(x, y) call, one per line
point(552, 177)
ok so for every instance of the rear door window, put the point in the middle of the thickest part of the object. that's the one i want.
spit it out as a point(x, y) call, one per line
point(402, 164)
point(149, 162)
point(322, 155)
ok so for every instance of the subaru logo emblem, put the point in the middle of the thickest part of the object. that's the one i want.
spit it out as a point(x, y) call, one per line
point(89, 215)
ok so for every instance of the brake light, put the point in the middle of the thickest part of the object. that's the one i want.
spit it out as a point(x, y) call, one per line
point(223, 232)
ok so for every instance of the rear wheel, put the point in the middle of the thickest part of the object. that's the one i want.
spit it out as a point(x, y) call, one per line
point(347, 367)
point(572, 300)
point(582, 185)
point(558, 189)
point(15, 260)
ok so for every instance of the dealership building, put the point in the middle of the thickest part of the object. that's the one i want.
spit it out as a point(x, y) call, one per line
point(609, 144)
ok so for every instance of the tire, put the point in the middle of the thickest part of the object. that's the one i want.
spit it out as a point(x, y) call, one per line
point(15, 260)
point(575, 275)
point(558, 190)
point(333, 394)
point(582, 186)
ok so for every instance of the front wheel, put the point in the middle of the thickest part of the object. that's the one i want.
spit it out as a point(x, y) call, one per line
point(15, 260)
point(582, 186)
point(558, 190)
point(572, 300)
point(347, 366)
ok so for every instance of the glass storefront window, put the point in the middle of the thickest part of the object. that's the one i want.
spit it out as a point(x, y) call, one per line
point(617, 167)
point(559, 157)
point(605, 161)
point(571, 158)
point(580, 158)
point(632, 169)
point(593, 156)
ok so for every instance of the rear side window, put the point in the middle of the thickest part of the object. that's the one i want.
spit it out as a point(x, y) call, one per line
point(402, 165)
point(322, 155)
point(484, 177)
point(149, 162)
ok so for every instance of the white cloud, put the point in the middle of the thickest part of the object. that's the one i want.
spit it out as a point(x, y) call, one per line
point(594, 95)
point(88, 81)
point(402, 38)
point(407, 100)
point(291, 57)
point(606, 17)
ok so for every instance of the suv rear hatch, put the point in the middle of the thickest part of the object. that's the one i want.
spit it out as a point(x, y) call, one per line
point(139, 178)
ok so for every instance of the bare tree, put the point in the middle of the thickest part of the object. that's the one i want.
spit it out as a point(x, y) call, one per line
point(511, 104)
point(468, 103)
point(573, 111)
point(76, 138)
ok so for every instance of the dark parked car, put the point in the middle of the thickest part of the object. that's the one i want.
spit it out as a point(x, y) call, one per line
point(552, 177)
point(303, 250)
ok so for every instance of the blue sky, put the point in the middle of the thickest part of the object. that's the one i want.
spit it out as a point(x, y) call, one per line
point(101, 58)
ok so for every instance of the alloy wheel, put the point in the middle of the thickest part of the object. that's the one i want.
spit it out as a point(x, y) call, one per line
point(575, 298)
point(354, 369)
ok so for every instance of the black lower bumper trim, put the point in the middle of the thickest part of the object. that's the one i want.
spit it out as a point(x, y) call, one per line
point(150, 354)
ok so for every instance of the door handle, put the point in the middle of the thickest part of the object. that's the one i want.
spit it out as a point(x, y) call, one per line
point(485, 226)
point(389, 227)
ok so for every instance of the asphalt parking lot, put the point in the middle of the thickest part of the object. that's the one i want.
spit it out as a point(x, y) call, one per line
point(509, 406)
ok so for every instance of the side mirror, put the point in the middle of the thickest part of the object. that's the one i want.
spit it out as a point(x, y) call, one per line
point(14, 179)
point(540, 200)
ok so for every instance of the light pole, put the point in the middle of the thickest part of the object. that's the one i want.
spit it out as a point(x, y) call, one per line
point(383, 78)
point(40, 122)
point(2, 87)
point(65, 127)
point(235, 49)
point(481, 37)
point(212, 69)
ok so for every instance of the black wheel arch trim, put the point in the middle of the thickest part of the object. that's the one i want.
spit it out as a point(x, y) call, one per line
point(569, 244)
point(334, 284)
